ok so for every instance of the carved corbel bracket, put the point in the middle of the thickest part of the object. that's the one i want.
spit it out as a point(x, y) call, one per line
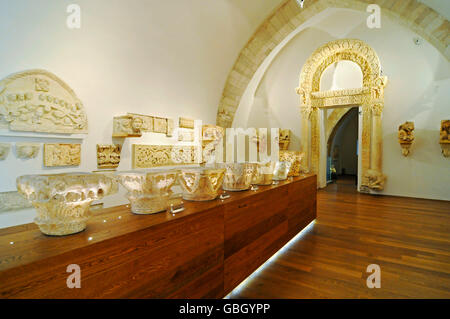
point(406, 137)
point(444, 137)
point(4, 150)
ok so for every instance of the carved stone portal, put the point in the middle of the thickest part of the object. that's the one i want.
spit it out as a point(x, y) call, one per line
point(39, 101)
point(406, 136)
point(108, 155)
point(62, 155)
point(4, 150)
point(370, 97)
point(146, 156)
point(444, 137)
point(27, 150)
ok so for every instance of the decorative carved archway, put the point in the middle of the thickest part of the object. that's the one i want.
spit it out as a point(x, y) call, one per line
point(413, 14)
point(370, 97)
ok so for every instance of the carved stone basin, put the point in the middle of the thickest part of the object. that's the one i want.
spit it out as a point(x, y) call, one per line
point(238, 176)
point(149, 191)
point(263, 173)
point(281, 170)
point(62, 200)
point(201, 184)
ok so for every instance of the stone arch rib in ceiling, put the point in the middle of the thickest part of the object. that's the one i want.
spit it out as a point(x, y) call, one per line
point(411, 13)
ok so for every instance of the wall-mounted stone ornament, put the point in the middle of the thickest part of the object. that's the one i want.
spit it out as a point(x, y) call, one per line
point(146, 120)
point(186, 123)
point(39, 101)
point(145, 156)
point(62, 155)
point(27, 150)
point(285, 139)
point(133, 125)
point(186, 136)
point(10, 201)
point(170, 127)
point(4, 150)
point(444, 137)
point(406, 137)
point(127, 126)
point(370, 97)
point(160, 125)
point(108, 155)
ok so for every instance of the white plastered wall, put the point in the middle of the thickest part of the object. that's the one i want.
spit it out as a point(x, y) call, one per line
point(167, 58)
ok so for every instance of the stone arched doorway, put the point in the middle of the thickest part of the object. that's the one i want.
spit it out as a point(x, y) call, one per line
point(370, 98)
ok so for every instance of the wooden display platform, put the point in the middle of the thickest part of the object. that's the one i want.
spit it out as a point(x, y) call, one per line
point(202, 252)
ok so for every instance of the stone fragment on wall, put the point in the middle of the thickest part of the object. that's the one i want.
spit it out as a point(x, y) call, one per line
point(38, 101)
point(62, 155)
point(27, 150)
point(108, 155)
point(4, 150)
point(146, 156)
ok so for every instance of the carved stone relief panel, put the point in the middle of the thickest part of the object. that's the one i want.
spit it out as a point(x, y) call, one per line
point(186, 136)
point(147, 122)
point(27, 150)
point(127, 126)
point(170, 127)
point(159, 125)
point(211, 137)
point(108, 155)
point(38, 101)
point(145, 156)
point(406, 136)
point(285, 139)
point(186, 123)
point(4, 150)
point(62, 155)
point(13, 201)
point(444, 137)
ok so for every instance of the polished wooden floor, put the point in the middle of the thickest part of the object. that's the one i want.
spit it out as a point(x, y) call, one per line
point(408, 238)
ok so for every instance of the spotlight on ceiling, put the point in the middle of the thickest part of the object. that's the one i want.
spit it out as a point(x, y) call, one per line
point(300, 3)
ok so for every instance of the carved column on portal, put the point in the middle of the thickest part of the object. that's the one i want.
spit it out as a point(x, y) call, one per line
point(305, 113)
point(377, 139)
point(373, 177)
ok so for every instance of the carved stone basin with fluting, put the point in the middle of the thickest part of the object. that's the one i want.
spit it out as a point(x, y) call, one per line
point(281, 170)
point(149, 191)
point(201, 184)
point(62, 200)
point(238, 176)
point(263, 173)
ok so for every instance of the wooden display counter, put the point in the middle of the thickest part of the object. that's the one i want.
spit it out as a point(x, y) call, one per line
point(202, 252)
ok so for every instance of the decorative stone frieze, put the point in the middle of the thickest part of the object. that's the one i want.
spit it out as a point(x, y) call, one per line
point(39, 101)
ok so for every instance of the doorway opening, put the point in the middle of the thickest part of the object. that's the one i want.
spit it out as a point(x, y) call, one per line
point(342, 150)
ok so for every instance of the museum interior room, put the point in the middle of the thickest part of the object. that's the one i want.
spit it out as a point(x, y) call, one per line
point(225, 149)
